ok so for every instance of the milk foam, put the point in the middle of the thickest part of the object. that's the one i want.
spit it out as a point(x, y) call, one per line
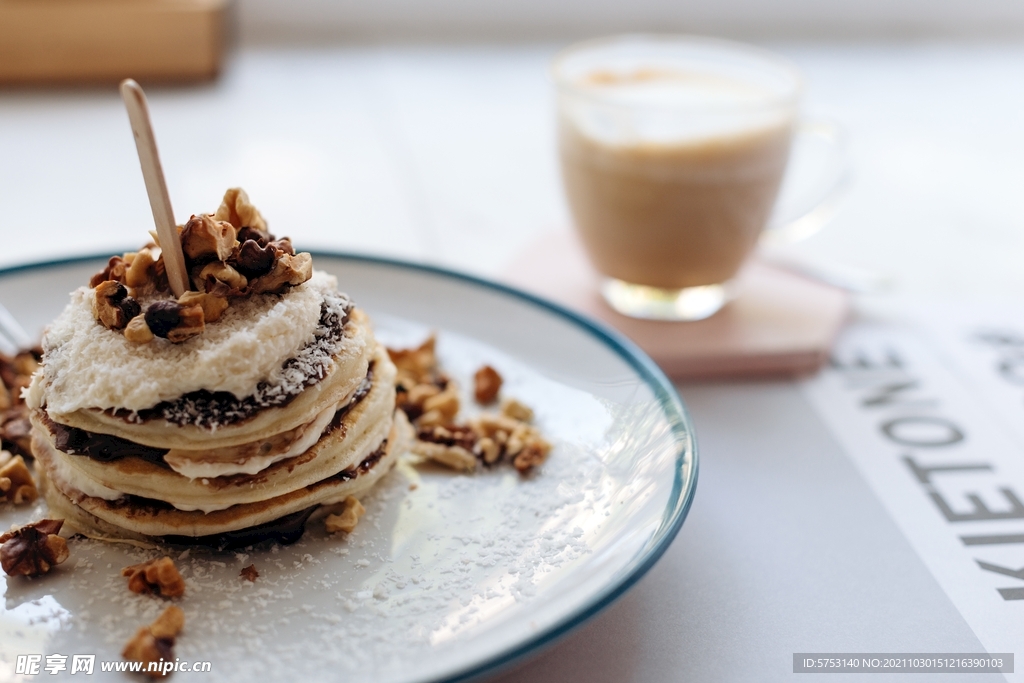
point(673, 107)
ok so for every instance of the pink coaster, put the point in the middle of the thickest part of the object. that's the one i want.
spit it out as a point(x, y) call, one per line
point(779, 324)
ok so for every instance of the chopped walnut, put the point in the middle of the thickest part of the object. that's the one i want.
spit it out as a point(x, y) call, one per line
point(156, 576)
point(450, 435)
point(416, 366)
point(112, 306)
point(486, 385)
point(229, 255)
point(142, 270)
point(33, 549)
point(515, 440)
point(26, 363)
point(16, 374)
point(534, 453)
point(431, 402)
point(138, 332)
point(249, 573)
point(348, 518)
point(288, 270)
point(155, 642)
point(419, 394)
point(115, 270)
point(283, 246)
point(516, 410)
point(445, 403)
point(488, 450)
point(220, 277)
point(237, 210)
point(455, 457)
point(203, 236)
point(169, 623)
point(213, 305)
point(16, 483)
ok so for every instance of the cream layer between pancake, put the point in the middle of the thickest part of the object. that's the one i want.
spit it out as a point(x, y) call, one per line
point(344, 446)
point(142, 520)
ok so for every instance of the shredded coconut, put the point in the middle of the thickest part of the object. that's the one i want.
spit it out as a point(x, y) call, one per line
point(89, 366)
point(213, 409)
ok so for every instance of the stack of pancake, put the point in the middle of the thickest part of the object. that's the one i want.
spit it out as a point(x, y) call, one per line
point(282, 407)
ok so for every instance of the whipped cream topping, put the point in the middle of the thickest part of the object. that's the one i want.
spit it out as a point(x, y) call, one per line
point(89, 366)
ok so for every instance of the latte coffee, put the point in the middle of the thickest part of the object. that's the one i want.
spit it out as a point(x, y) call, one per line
point(671, 164)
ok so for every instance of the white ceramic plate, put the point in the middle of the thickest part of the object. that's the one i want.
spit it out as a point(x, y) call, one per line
point(447, 576)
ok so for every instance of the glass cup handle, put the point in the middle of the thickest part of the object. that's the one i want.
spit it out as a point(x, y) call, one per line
point(811, 193)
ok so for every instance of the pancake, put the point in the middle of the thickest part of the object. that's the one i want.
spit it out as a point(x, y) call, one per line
point(142, 519)
point(345, 444)
point(246, 404)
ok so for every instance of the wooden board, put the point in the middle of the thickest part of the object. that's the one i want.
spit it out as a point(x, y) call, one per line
point(779, 324)
point(73, 41)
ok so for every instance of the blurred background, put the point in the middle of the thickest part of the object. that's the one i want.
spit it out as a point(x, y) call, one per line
point(425, 129)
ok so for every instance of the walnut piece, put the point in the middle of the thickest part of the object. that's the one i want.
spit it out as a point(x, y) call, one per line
point(16, 374)
point(16, 483)
point(533, 453)
point(138, 331)
point(249, 573)
point(155, 642)
point(440, 408)
point(416, 366)
point(432, 403)
point(220, 273)
point(229, 255)
point(486, 385)
point(450, 445)
point(203, 236)
point(516, 410)
point(455, 457)
point(141, 272)
point(515, 440)
point(289, 269)
point(33, 549)
point(347, 519)
point(156, 576)
point(115, 270)
point(112, 306)
point(213, 306)
point(237, 210)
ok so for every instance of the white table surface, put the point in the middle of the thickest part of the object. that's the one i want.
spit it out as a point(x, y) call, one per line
point(447, 155)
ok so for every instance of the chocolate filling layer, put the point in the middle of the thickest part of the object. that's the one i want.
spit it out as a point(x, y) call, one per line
point(102, 447)
point(213, 409)
point(284, 530)
point(108, 448)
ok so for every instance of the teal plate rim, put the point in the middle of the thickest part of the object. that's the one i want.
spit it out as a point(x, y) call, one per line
point(680, 498)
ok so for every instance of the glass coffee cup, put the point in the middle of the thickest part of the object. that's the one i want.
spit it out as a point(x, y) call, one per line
point(673, 149)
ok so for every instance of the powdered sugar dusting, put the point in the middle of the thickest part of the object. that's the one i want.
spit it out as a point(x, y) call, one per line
point(452, 570)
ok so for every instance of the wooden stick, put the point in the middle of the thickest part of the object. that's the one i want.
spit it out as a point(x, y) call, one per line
point(159, 200)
